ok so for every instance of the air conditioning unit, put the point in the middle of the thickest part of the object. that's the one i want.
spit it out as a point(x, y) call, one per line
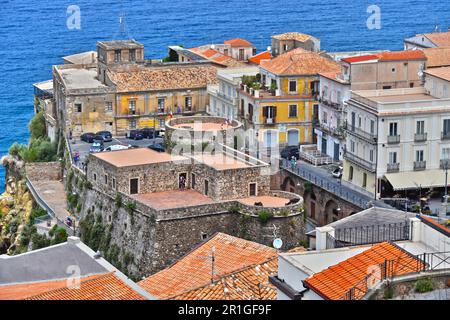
point(269, 120)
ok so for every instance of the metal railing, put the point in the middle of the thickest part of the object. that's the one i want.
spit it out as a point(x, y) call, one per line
point(420, 165)
point(355, 236)
point(445, 135)
point(370, 137)
point(393, 167)
point(420, 137)
point(330, 186)
point(393, 139)
point(359, 161)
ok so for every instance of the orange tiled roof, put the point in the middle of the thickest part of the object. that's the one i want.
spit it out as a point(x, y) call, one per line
point(435, 223)
point(334, 282)
point(217, 57)
point(300, 62)
point(194, 270)
point(366, 57)
point(441, 39)
point(251, 283)
point(164, 78)
point(437, 57)
point(105, 286)
point(100, 287)
point(402, 55)
point(292, 36)
point(260, 56)
point(238, 42)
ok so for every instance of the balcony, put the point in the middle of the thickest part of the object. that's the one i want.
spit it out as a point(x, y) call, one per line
point(334, 105)
point(445, 135)
point(369, 166)
point(393, 139)
point(393, 167)
point(269, 120)
point(369, 137)
point(331, 130)
point(420, 137)
point(444, 163)
point(420, 165)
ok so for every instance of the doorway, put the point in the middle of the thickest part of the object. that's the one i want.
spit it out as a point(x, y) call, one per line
point(182, 177)
point(134, 186)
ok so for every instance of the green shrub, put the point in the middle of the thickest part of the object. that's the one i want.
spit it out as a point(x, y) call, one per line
point(131, 206)
point(424, 285)
point(72, 200)
point(37, 126)
point(119, 200)
point(284, 212)
point(234, 209)
point(39, 241)
point(36, 213)
point(264, 216)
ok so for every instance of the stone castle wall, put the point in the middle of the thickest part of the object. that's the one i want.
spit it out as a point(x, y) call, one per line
point(44, 170)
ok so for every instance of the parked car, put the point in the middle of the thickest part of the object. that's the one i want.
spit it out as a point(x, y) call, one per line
point(116, 147)
point(161, 132)
point(135, 135)
point(87, 137)
point(107, 136)
point(97, 146)
point(337, 172)
point(149, 133)
point(289, 152)
point(157, 147)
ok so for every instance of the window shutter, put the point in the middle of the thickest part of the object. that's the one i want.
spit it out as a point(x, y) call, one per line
point(274, 112)
point(265, 112)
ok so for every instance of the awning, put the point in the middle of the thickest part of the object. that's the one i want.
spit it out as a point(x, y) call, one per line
point(416, 179)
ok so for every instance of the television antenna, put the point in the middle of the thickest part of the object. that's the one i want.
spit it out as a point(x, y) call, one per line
point(123, 32)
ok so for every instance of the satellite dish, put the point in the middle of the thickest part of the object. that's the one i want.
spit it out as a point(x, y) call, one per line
point(277, 243)
point(269, 48)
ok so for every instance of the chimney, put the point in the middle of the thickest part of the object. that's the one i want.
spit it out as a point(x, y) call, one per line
point(93, 57)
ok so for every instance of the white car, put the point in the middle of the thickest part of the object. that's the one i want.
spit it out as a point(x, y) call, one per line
point(116, 147)
point(337, 172)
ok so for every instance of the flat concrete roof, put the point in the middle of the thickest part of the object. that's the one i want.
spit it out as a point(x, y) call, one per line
point(82, 58)
point(47, 264)
point(136, 157)
point(402, 98)
point(120, 44)
point(267, 201)
point(173, 199)
point(221, 161)
point(81, 78)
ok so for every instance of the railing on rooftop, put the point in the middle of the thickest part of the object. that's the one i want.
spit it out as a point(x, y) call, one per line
point(346, 237)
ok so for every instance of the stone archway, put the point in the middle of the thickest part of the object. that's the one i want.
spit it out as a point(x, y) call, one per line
point(331, 212)
point(309, 199)
point(288, 185)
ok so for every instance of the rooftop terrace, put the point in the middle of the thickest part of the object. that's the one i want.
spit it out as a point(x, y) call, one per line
point(173, 199)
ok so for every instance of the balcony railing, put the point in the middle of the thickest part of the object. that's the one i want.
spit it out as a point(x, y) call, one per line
point(444, 163)
point(445, 135)
point(370, 137)
point(393, 167)
point(420, 137)
point(334, 131)
point(420, 165)
point(269, 120)
point(393, 139)
point(360, 161)
point(334, 105)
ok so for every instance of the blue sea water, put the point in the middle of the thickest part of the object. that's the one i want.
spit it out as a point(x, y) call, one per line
point(34, 34)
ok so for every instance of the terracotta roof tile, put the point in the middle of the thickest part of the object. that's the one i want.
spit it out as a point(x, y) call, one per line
point(260, 56)
point(367, 57)
point(100, 287)
point(105, 286)
point(300, 62)
point(402, 55)
point(443, 72)
point(334, 282)
point(292, 36)
point(164, 78)
point(194, 270)
point(251, 283)
point(437, 57)
point(238, 42)
point(441, 39)
point(217, 57)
